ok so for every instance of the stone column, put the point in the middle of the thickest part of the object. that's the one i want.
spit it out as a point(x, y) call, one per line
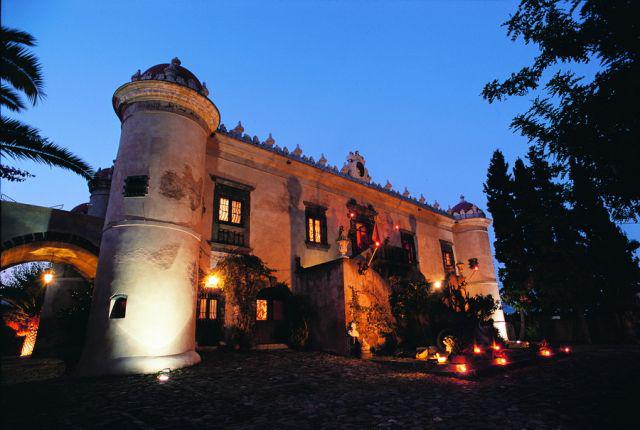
point(471, 240)
point(143, 311)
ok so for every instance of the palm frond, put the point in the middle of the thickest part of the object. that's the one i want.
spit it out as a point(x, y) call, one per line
point(11, 35)
point(22, 70)
point(10, 99)
point(20, 141)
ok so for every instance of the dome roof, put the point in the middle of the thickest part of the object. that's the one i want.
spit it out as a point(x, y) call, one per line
point(82, 208)
point(172, 72)
point(464, 209)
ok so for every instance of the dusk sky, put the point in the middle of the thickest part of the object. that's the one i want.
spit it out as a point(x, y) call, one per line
point(398, 81)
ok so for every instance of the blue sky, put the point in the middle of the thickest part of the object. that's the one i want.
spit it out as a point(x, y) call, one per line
point(399, 81)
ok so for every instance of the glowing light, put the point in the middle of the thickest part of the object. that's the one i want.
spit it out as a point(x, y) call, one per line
point(496, 347)
point(437, 285)
point(476, 268)
point(477, 350)
point(397, 227)
point(566, 349)
point(377, 244)
point(351, 215)
point(462, 368)
point(213, 281)
point(47, 276)
point(545, 352)
point(441, 358)
point(501, 361)
point(163, 376)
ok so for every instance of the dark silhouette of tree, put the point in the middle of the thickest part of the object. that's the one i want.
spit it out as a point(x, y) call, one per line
point(594, 122)
point(20, 72)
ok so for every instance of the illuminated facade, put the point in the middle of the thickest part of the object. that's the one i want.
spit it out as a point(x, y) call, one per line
point(185, 191)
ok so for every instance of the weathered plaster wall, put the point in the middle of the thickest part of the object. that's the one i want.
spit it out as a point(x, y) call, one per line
point(472, 241)
point(278, 212)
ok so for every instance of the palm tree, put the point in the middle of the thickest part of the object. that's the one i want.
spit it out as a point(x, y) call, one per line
point(21, 299)
point(21, 72)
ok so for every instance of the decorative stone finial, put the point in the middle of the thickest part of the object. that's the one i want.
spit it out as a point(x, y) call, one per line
point(436, 205)
point(461, 198)
point(285, 150)
point(238, 130)
point(176, 61)
point(298, 151)
point(136, 76)
point(222, 128)
point(388, 186)
point(205, 90)
point(422, 199)
point(406, 193)
point(322, 161)
point(270, 140)
point(255, 140)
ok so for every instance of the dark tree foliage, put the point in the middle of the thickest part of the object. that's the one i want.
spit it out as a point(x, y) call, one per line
point(559, 250)
point(594, 122)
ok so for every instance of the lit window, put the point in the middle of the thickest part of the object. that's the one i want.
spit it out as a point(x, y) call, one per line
point(202, 309)
point(223, 211)
point(363, 240)
point(261, 310)
point(448, 260)
point(316, 224)
point(213, 309)
point(236, 212)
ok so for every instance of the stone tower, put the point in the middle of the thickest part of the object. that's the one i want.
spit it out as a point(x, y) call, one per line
point(471, 237)
point(143, 312)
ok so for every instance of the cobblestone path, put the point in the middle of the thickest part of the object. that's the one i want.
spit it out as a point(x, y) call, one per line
point(594, 388)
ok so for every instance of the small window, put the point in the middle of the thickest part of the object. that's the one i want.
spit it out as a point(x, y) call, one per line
point(261, 310)
point(136, 186)
point(207, 309)
point(448, 260)
point(223, 212)
point(236, 212)
point(213, 309)
point(316, 220)
point(118, 306)
point(409, 245)
point(202, 309)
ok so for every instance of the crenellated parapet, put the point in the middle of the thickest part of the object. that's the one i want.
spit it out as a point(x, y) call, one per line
point(349, 171)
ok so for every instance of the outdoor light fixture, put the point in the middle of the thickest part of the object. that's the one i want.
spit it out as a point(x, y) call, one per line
point(213, 281)
point(496, 347)
point(352, 215)
point(476, 349)
point(545, 352)
point(501, 361)
point(397, 227)
point(437, 285)
point(566, 350)
point(163, 376)
point(47, 276)
point(441, 358)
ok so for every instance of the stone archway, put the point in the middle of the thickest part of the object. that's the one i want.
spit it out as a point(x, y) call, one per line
point(84, 260)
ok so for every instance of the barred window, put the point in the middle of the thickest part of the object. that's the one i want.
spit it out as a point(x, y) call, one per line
point(236, 212)
point(223, 211)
